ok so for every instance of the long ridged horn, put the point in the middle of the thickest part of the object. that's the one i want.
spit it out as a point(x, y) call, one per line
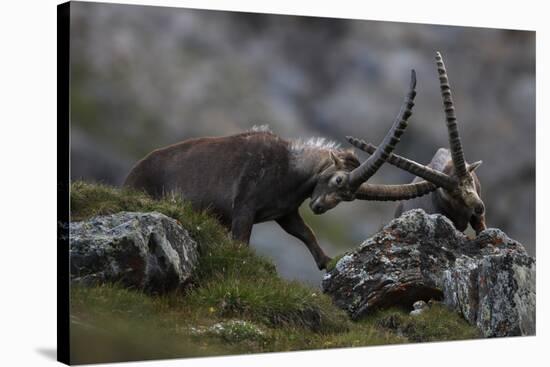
point(394, 192)
point(375, 161)
point(454, 138)
point(429, 174)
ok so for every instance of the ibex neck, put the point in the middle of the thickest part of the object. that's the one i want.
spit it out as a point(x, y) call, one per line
point(309, 162)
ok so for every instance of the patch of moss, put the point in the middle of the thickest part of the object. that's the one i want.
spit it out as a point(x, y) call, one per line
point(332, 263)
point(436, 323)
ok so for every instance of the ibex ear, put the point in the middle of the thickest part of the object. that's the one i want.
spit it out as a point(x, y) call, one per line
point(335, 160)
point(472, 167)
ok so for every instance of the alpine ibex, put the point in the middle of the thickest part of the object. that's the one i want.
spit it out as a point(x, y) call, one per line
point(458, 189)
point(257, 176)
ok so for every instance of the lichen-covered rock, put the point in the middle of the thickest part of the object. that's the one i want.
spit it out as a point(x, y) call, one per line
point(490, 280)
point(147, 251)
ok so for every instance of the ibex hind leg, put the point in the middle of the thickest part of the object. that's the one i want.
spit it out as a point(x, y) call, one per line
point(294, 225)
point(241, 226)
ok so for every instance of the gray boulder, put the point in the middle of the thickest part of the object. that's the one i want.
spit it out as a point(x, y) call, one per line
point(147, 251)
point(490, 280)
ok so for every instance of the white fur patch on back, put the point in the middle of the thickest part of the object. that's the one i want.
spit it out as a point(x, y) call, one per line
point(313, 143)
point(261, 128)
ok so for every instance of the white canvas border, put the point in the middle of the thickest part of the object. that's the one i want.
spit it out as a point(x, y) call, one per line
point(28, 151)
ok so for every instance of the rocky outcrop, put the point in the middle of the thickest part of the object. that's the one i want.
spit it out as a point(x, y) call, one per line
point(147, 251)
point(490, 280)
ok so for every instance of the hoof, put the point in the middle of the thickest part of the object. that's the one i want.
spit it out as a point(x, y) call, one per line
point(323, 264)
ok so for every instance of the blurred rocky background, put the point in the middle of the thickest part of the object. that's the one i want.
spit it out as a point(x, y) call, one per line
point(144, 77)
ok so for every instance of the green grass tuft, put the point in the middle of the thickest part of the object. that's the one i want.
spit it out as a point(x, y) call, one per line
point(88, 200)
point(271, 301)
point(434, 324)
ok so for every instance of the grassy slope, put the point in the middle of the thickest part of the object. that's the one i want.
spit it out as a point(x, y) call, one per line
point(109, 323)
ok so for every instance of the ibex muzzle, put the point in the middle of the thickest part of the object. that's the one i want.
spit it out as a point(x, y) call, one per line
point(457, 191)
point(257, 176)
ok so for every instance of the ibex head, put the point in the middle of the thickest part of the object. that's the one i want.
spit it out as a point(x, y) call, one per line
point(343, 178)
point(333, 184)
point(464, 195)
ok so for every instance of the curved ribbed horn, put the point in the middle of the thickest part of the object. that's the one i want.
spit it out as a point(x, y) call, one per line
point(454, 138)
point(429, 174)
point(375, 161)
point(394, 192)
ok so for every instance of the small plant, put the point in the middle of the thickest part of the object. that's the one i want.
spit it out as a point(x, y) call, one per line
point(233, 331)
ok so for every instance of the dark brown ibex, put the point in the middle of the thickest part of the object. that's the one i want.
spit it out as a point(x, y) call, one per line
point(257, 176)
point(458, 189)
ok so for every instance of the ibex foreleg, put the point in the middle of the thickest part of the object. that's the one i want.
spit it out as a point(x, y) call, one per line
point(241, 225)
point(478, 223)
point(294, 225)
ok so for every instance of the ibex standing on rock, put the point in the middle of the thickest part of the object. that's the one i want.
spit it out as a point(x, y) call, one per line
point(257, 176)
point(458, 189)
